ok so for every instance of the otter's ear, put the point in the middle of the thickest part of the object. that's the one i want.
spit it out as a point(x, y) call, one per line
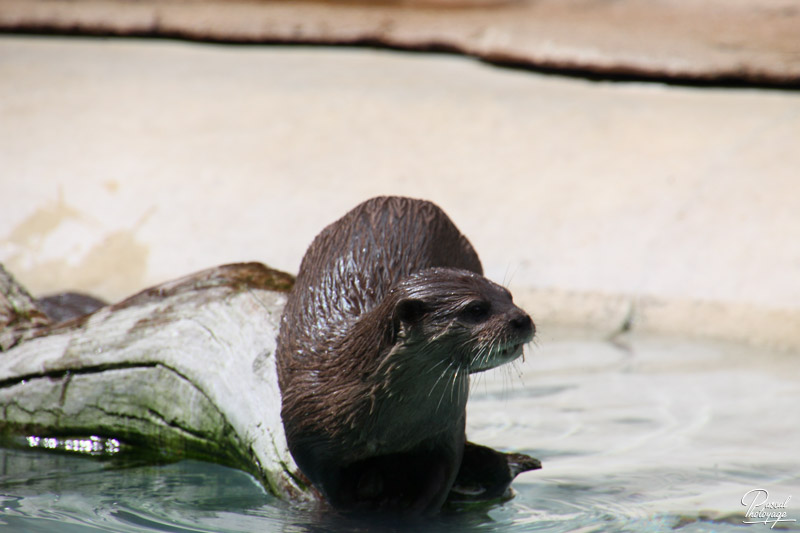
point(410, 310)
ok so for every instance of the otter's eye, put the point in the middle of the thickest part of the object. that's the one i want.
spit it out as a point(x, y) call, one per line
point(476, 312)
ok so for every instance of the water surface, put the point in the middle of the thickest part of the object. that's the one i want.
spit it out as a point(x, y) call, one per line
point(641, 435)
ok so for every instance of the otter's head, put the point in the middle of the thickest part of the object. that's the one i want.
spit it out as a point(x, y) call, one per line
point(460, 316)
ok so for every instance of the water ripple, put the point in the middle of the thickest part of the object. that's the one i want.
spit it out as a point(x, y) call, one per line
point(661, 438)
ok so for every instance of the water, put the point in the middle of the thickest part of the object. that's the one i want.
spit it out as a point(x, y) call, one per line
point(644, 435)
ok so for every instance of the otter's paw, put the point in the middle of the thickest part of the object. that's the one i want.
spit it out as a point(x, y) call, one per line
point(486, 474)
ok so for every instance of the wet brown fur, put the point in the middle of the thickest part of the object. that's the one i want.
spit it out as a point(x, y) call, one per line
point(376, 344)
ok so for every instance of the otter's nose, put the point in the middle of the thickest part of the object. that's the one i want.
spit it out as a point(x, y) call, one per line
point(522, 322)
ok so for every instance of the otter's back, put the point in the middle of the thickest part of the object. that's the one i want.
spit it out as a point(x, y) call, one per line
point(356, 260)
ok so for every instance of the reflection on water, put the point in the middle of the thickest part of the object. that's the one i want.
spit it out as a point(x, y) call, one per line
point(656, 435)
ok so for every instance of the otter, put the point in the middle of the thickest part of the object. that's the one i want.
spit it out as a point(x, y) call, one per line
point(388, 316)
point(65, 306)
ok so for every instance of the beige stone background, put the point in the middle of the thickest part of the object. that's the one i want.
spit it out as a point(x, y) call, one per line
point(671, 209)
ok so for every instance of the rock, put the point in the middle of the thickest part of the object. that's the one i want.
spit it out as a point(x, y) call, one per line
point(718, 41)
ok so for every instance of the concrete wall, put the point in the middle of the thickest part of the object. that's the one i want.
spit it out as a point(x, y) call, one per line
point(672, 209)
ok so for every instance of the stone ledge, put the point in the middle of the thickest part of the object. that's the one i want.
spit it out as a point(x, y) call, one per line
point(714, 42)
point(610, 315)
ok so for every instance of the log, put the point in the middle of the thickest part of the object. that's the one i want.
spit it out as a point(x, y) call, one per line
point(187, 366)
point(19, 315)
